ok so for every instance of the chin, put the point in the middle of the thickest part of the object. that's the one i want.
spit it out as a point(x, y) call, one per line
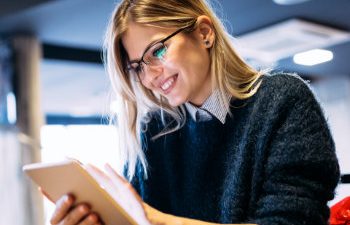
point(175, 102)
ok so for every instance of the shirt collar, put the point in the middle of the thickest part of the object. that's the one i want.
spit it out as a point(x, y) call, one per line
point(211, 107)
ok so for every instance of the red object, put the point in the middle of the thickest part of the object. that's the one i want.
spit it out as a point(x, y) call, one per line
point(340, 213)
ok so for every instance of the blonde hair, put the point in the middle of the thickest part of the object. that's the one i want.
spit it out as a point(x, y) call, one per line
point(230, 74)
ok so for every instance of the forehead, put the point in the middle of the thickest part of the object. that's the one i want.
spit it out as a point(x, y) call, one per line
point(138, 37)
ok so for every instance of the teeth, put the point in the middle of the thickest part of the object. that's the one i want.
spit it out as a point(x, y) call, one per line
point(167, 84)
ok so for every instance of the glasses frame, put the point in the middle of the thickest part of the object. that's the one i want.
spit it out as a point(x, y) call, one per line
point(162, 41)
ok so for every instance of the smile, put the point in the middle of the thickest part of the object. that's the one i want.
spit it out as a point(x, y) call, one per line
point(169, 84)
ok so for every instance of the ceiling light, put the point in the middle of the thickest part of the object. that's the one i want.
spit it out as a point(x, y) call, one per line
point(313, 57)
point(273, 43)
point(289, 2)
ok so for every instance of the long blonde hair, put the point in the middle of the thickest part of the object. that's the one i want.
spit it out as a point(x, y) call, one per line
point(229, 72)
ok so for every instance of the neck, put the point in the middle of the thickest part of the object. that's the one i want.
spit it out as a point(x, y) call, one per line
point(205, 92)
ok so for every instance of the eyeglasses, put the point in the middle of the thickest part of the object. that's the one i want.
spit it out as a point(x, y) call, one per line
point(154, 55)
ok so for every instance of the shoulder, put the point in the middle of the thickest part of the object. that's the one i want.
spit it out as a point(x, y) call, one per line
point(282, 82)
point(282, 87)
point(281, 95)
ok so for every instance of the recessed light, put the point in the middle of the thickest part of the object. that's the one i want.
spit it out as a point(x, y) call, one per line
point(289, 2)
point(313, 57)
point(289, 37)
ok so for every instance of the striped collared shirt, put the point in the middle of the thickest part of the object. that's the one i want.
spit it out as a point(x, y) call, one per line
point(211, 107)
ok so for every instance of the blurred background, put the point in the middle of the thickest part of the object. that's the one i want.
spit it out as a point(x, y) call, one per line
point(54, 92)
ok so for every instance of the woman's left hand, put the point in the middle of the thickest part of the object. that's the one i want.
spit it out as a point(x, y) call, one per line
point(126, 196)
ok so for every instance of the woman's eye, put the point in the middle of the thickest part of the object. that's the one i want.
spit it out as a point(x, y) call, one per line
point(159, 52)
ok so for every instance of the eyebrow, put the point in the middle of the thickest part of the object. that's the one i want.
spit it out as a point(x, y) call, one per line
point(147, 47)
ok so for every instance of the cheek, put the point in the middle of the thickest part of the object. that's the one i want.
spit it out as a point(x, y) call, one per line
point(195, 64)
point(146, 84)
point(195, 58)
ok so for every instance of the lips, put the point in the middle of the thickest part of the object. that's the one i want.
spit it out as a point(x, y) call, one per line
point(168, 84)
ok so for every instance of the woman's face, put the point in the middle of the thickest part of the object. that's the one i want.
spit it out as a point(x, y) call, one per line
point(184, 72)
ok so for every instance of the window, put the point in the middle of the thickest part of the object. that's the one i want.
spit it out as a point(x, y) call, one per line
point(94, 144)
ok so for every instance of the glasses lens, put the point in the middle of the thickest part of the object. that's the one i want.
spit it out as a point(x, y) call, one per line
point(153, 57)
point(155, 54)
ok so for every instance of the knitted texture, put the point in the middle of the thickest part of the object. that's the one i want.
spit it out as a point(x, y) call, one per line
point(272, 162)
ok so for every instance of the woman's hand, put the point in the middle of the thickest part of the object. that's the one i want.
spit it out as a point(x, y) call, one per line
point(67, 214)
point(121, 191)
point(124, 193)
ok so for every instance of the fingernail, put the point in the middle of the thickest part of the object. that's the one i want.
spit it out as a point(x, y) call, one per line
point(66, 198)
point(83, 209)
point(93, 218)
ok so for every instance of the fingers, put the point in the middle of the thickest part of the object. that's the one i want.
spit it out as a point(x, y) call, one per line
point(91, 219)
point(66, 214)
point(119, 180)
point(62, 207)
point(76, 215)
point(116, 178)
point(111, 171)
point(96, 173)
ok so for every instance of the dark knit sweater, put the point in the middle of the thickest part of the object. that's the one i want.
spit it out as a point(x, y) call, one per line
point(272, 162)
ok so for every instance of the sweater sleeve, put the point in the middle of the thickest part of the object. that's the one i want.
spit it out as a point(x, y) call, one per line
point(301, 170)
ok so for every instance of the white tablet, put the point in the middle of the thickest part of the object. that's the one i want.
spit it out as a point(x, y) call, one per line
point(58, 179)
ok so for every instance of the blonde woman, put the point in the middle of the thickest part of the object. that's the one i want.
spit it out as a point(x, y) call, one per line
point(205, 137)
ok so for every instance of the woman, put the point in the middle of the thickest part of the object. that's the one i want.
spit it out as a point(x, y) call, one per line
point(205, 136)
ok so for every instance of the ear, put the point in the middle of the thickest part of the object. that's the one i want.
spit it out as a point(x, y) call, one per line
point(205, 31)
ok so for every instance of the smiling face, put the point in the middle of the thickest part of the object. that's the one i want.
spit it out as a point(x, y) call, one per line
point(184, 72)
